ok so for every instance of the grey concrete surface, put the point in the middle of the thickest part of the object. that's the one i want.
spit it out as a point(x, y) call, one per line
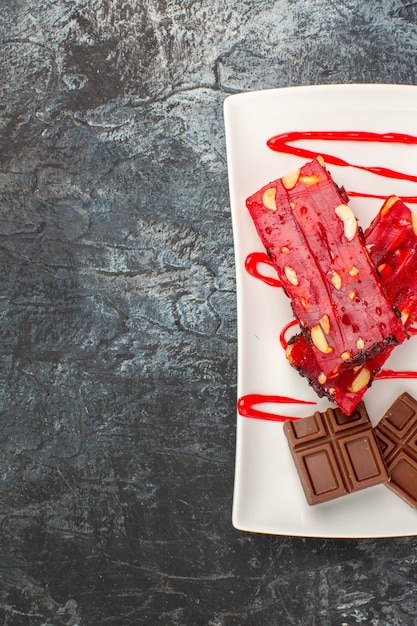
point(118, 333)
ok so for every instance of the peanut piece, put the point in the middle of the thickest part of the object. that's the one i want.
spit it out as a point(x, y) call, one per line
point(385, 269)
point(361, 380)
point(313, 179)
point(268, 199)
point(350, 225)
point(290, 180)
point(325, 324)
point(404, 315)
point(288, 351)
point(291, 275)
point(414, 222)
point(387, 205)
point(336, 280)
point(319, 340)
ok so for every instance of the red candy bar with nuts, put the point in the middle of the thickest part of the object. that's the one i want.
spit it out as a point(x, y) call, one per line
point(391, 240)
point(392, 243)
point(318, 251)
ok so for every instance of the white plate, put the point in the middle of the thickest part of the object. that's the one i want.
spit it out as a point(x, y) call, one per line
point(268, 496)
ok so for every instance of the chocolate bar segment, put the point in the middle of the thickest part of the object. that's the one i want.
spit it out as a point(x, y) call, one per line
point(396, 434)
point(315, 245)
point(335, 454)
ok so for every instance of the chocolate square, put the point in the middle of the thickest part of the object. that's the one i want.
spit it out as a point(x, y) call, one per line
point(396, 434)
point(335, 454)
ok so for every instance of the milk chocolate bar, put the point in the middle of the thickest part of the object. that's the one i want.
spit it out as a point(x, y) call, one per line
point(318, 251)
point(335, 454)
point(396, 434)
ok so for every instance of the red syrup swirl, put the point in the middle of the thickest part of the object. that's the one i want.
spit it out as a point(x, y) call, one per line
point(252, 262)
point(282, 339)
point(280, 143)
point(246, 408)
point(391, 374)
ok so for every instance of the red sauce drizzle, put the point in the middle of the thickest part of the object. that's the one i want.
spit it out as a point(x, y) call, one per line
point(252, 263)
point(282, 339)
point(245, 406)
point(280, 143)
point(390, 374)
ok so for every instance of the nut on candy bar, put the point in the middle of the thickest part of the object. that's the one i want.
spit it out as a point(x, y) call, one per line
point(396, 434)
point(335, 454)
point(318, 251)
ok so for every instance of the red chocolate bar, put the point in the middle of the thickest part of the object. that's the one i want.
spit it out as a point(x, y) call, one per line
point(317, 249)
point(392, 243)
point(335, 454)
point(391, 240)
point(396, 434)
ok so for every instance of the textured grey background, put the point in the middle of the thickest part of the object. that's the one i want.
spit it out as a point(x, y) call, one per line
point(118, 333)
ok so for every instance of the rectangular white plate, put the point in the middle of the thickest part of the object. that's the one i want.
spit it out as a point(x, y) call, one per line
point(268, 496)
